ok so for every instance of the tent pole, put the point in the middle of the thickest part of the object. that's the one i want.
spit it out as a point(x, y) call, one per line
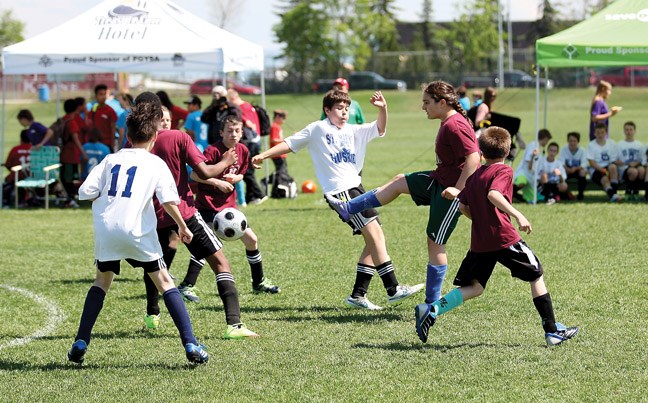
point(2, 143)
point(546, 97)
point(265, 139)
point(537, 128)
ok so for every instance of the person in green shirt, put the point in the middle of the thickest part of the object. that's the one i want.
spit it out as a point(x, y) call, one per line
point(355, 111)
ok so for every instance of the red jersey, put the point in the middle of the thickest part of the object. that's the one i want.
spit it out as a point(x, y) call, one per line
point(178, 114)
point(104, 118)
point(70, 153)
point(491, 228)
point(178, 150)
point(276, 137)
point(455, 140)
point(19, 155)
point(83, 128)
point(210, 198)
point(249, 113)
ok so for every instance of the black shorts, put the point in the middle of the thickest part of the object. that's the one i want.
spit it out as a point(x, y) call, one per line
point(113, 265)
point(360, 220)
point(597, 176)
point(204, 242)
point(518, 258)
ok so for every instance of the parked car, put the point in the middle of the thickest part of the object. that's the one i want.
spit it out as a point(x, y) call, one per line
point(204, 86)
point(623, 76)
point(363, 80)
point(520, 79)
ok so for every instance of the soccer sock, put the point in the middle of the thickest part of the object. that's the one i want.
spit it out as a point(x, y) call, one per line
point(152, 296)
point(229, 296)
point(195, 265)
point(434, 281)
point(388, 277)
point(448, 302)
point(615, 185)
point(363, 202)
point(91, 308)
point(582, 184)
point(178, 311)
point(610, 191)
point(364, 273)
point(168, 255)
point(240, 192)
point(545, 309)
point(256, 266)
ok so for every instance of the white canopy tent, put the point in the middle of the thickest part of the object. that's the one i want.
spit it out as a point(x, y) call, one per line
point(132, 36)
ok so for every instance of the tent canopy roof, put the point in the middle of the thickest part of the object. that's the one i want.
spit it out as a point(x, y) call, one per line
point(133, 36)
point(615, 36)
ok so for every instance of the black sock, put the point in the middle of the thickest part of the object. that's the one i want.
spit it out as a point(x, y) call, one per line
point(545, 309)
point(364, 273)
point(91, 308)
point(229, 296)
point(256, 266)
point(582, 184)
point(178, 312)
point(388, 276)
point(610, 191)
point(152, 296)
point(195, 265)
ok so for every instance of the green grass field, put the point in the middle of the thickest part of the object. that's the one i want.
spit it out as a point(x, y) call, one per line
point(311, 347)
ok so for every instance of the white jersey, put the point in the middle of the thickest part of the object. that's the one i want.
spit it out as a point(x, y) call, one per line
point(630, 151)
point(338, 154)
point(573, 159)
point(523, 167)
point(549, 168)
point(603, 155)
point(123, 185)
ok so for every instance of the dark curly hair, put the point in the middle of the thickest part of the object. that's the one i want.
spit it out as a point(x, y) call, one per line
point(144, 118)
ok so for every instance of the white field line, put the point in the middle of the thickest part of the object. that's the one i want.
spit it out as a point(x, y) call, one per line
point(54, 317)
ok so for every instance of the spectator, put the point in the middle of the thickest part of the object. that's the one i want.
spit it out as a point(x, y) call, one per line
point(95, 150)
point(484, 108)
point(599, 111)
point(525, 172)
point(38, 134)
point(355, 111)
point(477, 96)
point(276, 137)
point(80, 119)
point(72, 152)
point(252, 140)
point(574, 161)
point(18, 155)
point(103, 117)
point(552, 176)
point(464, 101)
point(632, 159)
point(194, 127)
point(214, 114)
point(601, 154)
point(126, 102)
point(178, 114)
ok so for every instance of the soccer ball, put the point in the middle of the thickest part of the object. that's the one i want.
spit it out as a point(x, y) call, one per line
point(230, 224)
point(308, 186)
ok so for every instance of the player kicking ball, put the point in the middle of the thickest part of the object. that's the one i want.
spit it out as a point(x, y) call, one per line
point(486, 200)
point(337, 150)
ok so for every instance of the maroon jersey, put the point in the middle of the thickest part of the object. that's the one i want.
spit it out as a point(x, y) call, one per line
point(455, 140)
point(178, 150)
point(210, 198)
point(491, 228)
point(70, 153)
point(103, 118)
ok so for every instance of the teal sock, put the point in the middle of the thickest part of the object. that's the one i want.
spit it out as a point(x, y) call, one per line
point(448, 302)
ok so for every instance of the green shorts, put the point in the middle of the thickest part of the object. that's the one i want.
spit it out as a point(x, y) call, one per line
point(444, 213)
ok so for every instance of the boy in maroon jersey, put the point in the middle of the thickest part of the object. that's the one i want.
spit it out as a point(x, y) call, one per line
point(486, 199)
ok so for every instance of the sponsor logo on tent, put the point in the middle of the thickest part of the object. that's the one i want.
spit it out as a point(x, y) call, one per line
point(45, 61)
point(570, 52)
point(178, 60)
point(128, 21)
point(642, 16)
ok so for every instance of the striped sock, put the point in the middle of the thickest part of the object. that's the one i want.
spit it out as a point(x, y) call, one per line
point(364, 274)
point(256, 266)
point(388, 276)
point(229, 295)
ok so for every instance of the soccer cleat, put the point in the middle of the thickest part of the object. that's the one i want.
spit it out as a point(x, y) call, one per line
point(196, 353)
point(425, 317)
point(152, 322)
point(616, 198)
point(562, 334)
point(266, 286)
point(361, 303)
point(238, 331)
point(189, 293)
point(340, 206)
point(77, 352)
point(403, 292)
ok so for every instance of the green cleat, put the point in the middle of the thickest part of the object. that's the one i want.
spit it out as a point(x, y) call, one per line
point(152, 322)
point(238, 331)
point(265, 286)
point(189, 293)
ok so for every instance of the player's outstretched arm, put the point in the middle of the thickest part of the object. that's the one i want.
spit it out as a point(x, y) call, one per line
point(183, 231)
point(279, 149)
point(501, 203)
point(379, 101)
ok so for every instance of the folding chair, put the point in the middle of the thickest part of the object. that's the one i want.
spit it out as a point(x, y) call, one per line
point(42, 170)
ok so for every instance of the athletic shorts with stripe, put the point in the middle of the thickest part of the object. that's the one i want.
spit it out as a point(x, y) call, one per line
point(360, 220)
point(444, 213)
point(518, 258)
point(114, 265)
point(204, 242)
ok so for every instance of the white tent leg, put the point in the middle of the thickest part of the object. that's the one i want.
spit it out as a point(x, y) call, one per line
point(265, 142)
point(2, 143)
point(537, 128)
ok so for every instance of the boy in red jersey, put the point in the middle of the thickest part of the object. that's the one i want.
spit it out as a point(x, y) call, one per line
point(103, 117)
point(486, 199)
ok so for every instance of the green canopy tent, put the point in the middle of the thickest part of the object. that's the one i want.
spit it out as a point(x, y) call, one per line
point(615, 36)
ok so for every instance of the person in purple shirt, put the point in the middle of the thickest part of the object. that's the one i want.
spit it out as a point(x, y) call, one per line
point(486, 200)
point(38, 134)
point(599, 112)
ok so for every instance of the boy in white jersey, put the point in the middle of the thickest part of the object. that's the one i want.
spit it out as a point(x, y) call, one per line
point(574, 161)
point(632, 158)
point(552, 176)
point(525, 172)
point(601, 154)
point(337, 150)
